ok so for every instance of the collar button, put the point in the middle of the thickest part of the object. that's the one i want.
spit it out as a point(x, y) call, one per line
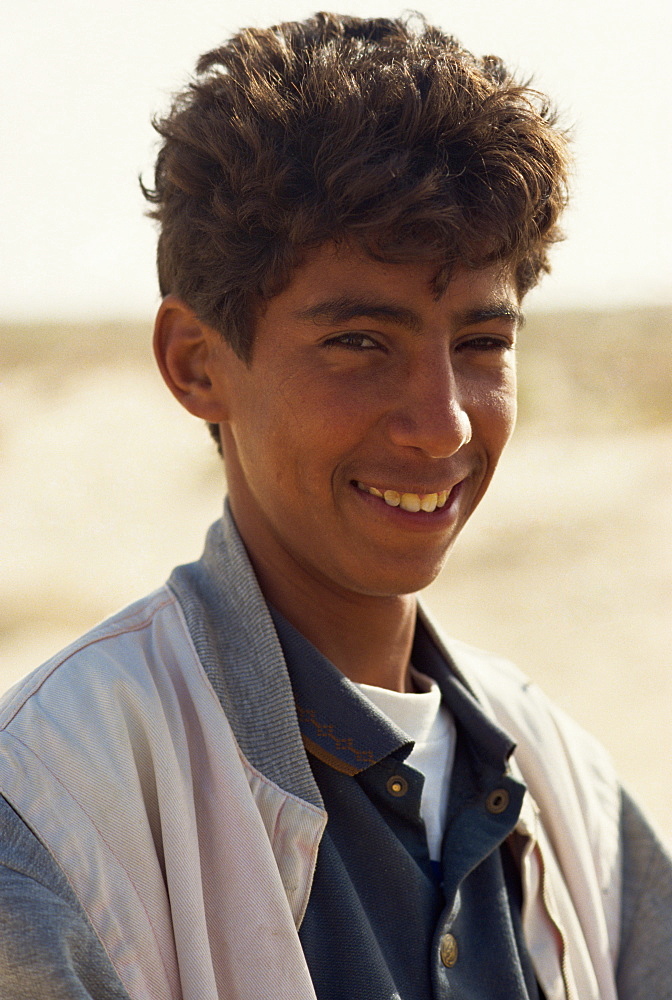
point(497, 801)
point(397, 786)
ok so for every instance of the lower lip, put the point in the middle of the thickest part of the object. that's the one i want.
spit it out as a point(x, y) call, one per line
point(421, 519)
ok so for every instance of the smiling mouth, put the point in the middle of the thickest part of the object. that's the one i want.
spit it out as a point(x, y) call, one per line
point(411, 502)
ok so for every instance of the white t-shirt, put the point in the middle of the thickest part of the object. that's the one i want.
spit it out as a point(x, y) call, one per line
point(430, 725)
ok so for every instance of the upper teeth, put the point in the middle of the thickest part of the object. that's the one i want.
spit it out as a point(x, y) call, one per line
point(408, 501)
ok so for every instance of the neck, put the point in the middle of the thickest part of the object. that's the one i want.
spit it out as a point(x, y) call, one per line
point(369, 638)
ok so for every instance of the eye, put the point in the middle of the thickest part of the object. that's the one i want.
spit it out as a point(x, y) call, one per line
point(485, 343)
point(353, 342)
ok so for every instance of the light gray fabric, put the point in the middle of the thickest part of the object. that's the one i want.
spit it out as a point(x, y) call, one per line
point(230, 624)
point(48, 949)
point(645, 961)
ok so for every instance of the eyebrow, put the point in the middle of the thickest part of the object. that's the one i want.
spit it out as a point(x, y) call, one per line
point(344, 308)
point(498, 310)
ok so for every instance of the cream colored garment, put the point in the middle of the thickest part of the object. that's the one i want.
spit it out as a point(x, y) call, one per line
point(138, 790)
point(195, 869)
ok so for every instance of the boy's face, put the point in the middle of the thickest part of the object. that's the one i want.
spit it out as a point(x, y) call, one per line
point(367, 397)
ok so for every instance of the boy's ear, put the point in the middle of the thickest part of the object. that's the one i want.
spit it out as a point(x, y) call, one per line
point(189, 354)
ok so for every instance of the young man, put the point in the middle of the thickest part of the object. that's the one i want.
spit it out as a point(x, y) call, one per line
point(272, 778)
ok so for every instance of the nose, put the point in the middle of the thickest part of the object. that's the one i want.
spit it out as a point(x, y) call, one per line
point(430, 412)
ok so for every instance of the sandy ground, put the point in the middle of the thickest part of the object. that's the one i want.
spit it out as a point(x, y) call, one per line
point(565, 568)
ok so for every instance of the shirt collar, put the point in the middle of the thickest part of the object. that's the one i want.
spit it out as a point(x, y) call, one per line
point(338, 724)
point(490, 744)
point(341, 727)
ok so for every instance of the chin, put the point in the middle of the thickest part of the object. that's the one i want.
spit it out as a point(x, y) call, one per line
point(400, 579)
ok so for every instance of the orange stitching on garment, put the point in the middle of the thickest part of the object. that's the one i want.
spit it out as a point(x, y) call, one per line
point(327, 731)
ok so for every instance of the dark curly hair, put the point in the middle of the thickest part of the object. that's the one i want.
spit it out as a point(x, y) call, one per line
point(384, 132)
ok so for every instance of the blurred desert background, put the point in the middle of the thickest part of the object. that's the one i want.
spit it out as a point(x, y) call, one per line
point(566, 567)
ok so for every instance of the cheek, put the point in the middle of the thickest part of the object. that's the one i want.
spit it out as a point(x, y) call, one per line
point(511, 397)
point(293, 432)
point(508, 412)
point(284, 451)
point(504, 402)
point(323, 417)
point(493, 412)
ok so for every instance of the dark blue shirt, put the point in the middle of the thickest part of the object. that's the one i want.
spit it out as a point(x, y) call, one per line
point(383, 922)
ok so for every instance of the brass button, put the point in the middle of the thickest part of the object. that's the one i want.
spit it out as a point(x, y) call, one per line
point(448, 950)
point(497, 801)
point(397, 786)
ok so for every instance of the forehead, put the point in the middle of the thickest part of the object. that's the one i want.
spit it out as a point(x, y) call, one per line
point(336, 283)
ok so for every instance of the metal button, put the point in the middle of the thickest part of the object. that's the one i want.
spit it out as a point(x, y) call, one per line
point(397, 786)
point(448, 950)
point(497, 801)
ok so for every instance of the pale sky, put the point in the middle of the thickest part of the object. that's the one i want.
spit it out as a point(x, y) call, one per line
point(79, 82)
